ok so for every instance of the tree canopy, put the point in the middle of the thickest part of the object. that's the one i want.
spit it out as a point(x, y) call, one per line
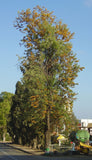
point(5, 105)
point(49, 69)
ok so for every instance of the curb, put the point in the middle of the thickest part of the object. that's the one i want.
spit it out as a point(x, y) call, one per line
point(32, 152)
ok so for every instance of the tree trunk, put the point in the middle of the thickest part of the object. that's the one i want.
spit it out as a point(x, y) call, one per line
point(48, 134)
point(4, 137)
point(20, 141)
point(35, 143)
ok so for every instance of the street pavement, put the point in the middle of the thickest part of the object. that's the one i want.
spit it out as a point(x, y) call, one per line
point(18, 152)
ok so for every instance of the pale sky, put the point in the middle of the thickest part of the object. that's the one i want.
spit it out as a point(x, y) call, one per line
point(77, 14)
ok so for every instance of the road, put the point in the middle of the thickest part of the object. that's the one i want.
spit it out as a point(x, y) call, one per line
point(10, 153)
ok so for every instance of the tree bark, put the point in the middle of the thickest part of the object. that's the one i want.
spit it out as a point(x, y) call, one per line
point(48, 134)
point(4, 137)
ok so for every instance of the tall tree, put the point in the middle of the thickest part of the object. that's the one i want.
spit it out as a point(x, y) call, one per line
point(48, 63)
point(16, 116)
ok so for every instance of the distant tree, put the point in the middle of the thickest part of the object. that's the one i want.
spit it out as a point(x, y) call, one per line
point(5, 105)
point(49, 65)
point(71, 123)
point(15, 114)
point(74, 122)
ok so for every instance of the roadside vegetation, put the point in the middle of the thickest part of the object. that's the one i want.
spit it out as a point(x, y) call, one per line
point(43, 101)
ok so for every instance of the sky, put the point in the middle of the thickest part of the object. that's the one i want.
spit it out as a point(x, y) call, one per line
point(77, 14)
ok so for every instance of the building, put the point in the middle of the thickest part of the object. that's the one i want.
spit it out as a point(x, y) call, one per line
point(86, 124)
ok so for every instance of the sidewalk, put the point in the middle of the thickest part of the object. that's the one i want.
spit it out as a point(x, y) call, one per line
point(26, 149)
point(40, 152)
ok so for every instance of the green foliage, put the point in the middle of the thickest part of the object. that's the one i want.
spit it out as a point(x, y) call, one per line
point(5, 106)
point(49, 66)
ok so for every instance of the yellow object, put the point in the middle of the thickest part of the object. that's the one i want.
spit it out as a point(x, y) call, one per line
point(85, 145)
point(60, 137)
point(84, 150)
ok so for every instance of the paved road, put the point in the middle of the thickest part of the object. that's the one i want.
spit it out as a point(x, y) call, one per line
point(10, 153)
